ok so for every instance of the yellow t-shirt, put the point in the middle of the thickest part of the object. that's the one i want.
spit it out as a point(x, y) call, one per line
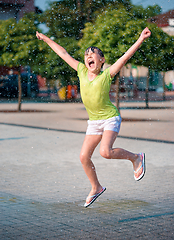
point(95, 94)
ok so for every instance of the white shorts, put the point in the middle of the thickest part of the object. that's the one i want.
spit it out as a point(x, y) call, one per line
point(97, 127)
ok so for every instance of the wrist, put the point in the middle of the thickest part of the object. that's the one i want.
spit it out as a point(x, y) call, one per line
point(141, 39)
point(46, 39)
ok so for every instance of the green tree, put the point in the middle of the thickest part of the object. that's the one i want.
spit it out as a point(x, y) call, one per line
point(19, 46)
point(52, 66)
point(145, 13)
point(115, 32)
point(65, 20)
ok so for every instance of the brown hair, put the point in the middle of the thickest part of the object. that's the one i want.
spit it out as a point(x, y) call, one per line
point(98, 50)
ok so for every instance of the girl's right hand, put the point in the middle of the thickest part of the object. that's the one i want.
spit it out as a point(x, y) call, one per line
point(40, 36)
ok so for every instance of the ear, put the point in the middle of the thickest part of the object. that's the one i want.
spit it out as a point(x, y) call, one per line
point(102, 60)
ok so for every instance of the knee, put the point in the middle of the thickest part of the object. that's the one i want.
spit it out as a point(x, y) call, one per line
point(83, 158)
point(106, 153)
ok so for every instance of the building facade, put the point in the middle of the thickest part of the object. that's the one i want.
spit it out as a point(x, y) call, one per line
point(166, 22)
point(15, 8)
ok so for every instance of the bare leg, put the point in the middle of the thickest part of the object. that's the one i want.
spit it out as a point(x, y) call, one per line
point(108, 152)
point(89, 145)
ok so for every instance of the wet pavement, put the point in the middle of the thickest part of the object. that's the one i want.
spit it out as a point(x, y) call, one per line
point(43, 186)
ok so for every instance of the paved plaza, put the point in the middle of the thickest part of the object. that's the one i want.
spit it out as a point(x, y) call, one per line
point(43, 186)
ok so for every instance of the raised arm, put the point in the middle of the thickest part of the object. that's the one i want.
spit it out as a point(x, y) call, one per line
point(59, 50)
point(115, 68)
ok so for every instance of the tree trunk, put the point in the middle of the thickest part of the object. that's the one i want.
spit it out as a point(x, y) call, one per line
point(164, 88)
point(19, 92)
point(117, 84)
point(89, 11)
point(78, 5)
point(147, 90)
point(80, 17)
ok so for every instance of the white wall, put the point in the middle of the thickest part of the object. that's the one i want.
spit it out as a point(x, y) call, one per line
point(169, 77)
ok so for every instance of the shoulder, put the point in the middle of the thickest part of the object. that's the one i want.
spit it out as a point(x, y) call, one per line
point(81, 71)
point(81, 67)
point(107, 74)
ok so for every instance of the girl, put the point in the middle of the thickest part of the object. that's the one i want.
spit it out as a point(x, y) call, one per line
point(104, 118)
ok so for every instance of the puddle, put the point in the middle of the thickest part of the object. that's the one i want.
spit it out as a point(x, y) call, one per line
point(103, 207)
point(2, 199)
point(12, 200)
point(9, 199)
point(112, 206)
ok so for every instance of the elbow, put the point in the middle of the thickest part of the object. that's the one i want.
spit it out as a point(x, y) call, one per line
point(64, 52)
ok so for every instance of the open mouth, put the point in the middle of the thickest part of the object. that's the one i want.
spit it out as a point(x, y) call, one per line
point(91, 63)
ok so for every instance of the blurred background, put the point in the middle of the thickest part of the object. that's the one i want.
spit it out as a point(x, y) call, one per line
point(31, 71)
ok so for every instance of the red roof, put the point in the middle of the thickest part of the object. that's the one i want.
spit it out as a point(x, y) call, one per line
point(162, 20)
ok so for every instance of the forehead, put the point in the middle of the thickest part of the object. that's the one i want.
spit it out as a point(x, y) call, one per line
point(90, 51)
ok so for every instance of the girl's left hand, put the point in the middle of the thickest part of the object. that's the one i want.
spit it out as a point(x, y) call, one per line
point(145, 33)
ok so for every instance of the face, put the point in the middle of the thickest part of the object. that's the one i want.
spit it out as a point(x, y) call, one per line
point(93, 61)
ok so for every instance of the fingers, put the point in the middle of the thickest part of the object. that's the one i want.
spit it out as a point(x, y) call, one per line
point(147, 30)
point(39, 35)
point(146, 33)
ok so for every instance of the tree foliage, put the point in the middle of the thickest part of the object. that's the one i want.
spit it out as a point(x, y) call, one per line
point(18, 44)
point(145, 13)
point(53, 67)
point(115, 32)
point(66, 18)
point(20, 47)
point(109, 29)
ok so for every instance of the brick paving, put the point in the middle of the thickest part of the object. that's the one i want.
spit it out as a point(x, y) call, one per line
point(43, 186)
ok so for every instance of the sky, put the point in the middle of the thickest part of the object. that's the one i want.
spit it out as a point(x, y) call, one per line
point(166, 5)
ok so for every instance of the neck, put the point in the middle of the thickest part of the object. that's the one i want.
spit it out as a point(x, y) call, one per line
point(92, 75)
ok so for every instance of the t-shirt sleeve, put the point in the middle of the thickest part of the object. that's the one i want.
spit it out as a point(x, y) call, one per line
point(80, 68)
point(108, 75)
